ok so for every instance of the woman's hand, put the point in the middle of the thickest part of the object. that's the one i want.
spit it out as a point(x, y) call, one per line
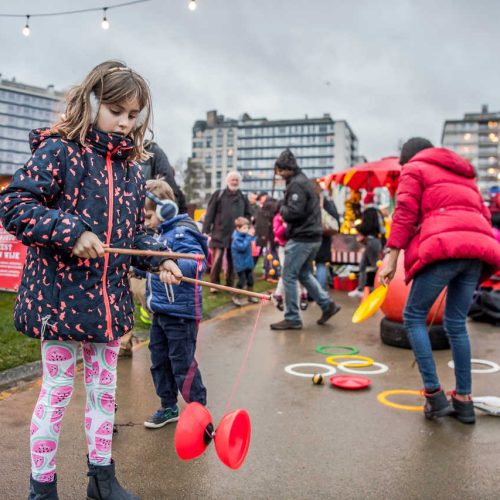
point(386, 275)
point(170, 273)
point(88, 246)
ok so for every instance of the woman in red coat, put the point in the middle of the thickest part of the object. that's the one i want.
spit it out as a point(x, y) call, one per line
point(444, 227)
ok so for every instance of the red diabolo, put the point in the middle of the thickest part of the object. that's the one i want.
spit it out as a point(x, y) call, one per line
point(232, 438)
point(195, 430)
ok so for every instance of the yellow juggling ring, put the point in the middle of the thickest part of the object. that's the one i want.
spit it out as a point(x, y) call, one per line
point(368, 361)
point(382, 398)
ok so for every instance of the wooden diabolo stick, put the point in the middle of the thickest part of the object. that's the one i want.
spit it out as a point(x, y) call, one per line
point(248, 293)
point(155, 253)
point(193, 256)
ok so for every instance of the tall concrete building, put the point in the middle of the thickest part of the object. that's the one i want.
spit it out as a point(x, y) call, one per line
point(251, 146)
point(476, 138)
point(23, 108)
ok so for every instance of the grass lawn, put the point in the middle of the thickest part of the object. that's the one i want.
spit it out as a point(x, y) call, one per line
point(17, 349)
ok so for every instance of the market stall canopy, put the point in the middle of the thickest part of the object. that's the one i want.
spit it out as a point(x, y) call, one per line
point(381, 173)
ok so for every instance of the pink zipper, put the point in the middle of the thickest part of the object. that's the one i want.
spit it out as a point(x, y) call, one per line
point(109, 169)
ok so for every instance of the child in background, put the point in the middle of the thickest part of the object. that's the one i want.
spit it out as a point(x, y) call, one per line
point(241, 251)
point(370, 230)
point(279, 230)
point(80, 192)
point(175, 315)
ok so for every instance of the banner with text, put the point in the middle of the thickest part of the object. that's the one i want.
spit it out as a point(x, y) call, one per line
point(12, 256)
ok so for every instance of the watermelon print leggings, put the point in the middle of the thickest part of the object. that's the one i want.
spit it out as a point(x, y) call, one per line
point(99, 369)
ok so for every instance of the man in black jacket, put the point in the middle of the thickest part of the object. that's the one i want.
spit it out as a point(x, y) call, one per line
point(224, 207)
point(302, 213)
point(158, 166)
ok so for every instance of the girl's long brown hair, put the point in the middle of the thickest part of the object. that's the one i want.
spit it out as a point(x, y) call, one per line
point(112, 82)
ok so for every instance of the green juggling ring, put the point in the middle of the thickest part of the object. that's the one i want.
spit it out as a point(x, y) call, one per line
point(322, 349)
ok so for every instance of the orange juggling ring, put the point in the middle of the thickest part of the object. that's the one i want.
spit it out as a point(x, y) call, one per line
point(370, 305)
point(195, 430)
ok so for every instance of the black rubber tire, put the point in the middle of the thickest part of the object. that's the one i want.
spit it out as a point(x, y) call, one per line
point(393, 333)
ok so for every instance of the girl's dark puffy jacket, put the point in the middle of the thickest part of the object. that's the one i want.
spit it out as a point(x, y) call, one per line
point(64, 190)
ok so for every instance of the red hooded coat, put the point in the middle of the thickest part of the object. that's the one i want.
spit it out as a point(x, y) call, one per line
point(440, 213)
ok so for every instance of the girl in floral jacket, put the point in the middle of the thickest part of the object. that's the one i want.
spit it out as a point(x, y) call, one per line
point(81, 192)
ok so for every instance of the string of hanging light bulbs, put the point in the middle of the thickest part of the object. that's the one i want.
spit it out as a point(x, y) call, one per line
point(26, 31)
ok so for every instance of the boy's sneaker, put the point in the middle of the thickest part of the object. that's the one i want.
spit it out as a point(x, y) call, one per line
point(253, 300)
point(436, 405)
point(304, 304)
point(237, 301)
point(162, 417)
point(278, 302)
point(356, 294)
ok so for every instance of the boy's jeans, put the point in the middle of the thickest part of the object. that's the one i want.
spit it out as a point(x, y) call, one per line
point(461, 276)
point(173, 345)
point(299, 256)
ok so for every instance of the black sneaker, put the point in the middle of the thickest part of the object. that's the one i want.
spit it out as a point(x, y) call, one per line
point(332, 310)
point(436, 405)
point(287, 325)
point(463, 410)
point(162, 417)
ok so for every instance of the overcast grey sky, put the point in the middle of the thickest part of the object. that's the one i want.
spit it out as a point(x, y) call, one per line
point(395, 68)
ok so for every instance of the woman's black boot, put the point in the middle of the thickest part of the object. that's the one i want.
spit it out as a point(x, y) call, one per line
point(436, 405)
point(463, 410)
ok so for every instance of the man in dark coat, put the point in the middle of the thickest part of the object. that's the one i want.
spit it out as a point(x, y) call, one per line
point(158, 166)
point(302, 213)
point(224, 207)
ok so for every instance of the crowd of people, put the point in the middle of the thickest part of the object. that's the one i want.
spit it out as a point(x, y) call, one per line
point(83, 191)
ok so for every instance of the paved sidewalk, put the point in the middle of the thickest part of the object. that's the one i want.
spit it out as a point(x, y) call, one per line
point(308, 442)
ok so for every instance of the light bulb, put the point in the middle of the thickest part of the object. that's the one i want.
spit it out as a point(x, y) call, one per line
point(104, 22)
point(192, 5)
point(26, 29)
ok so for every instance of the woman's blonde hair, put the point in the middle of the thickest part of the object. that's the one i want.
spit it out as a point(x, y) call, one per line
point(111, 82)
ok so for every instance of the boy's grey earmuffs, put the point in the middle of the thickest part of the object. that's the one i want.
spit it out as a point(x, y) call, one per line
point(94, 109)
point(165, 209)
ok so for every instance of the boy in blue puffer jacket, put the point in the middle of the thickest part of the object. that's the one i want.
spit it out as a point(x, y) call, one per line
point(241, 251)
point(176, 310)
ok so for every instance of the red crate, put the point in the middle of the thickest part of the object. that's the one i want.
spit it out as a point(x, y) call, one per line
point(344, 284)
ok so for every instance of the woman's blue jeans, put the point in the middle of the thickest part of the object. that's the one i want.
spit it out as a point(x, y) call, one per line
point(461, 276)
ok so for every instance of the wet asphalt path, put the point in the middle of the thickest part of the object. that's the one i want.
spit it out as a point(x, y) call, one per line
point(308, 442)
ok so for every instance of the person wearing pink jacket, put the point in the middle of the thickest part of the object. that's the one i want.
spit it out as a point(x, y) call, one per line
point(443, 225)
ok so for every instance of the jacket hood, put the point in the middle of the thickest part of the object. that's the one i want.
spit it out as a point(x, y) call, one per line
point(189, 226)
point(37, 136)
point(447, 159)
